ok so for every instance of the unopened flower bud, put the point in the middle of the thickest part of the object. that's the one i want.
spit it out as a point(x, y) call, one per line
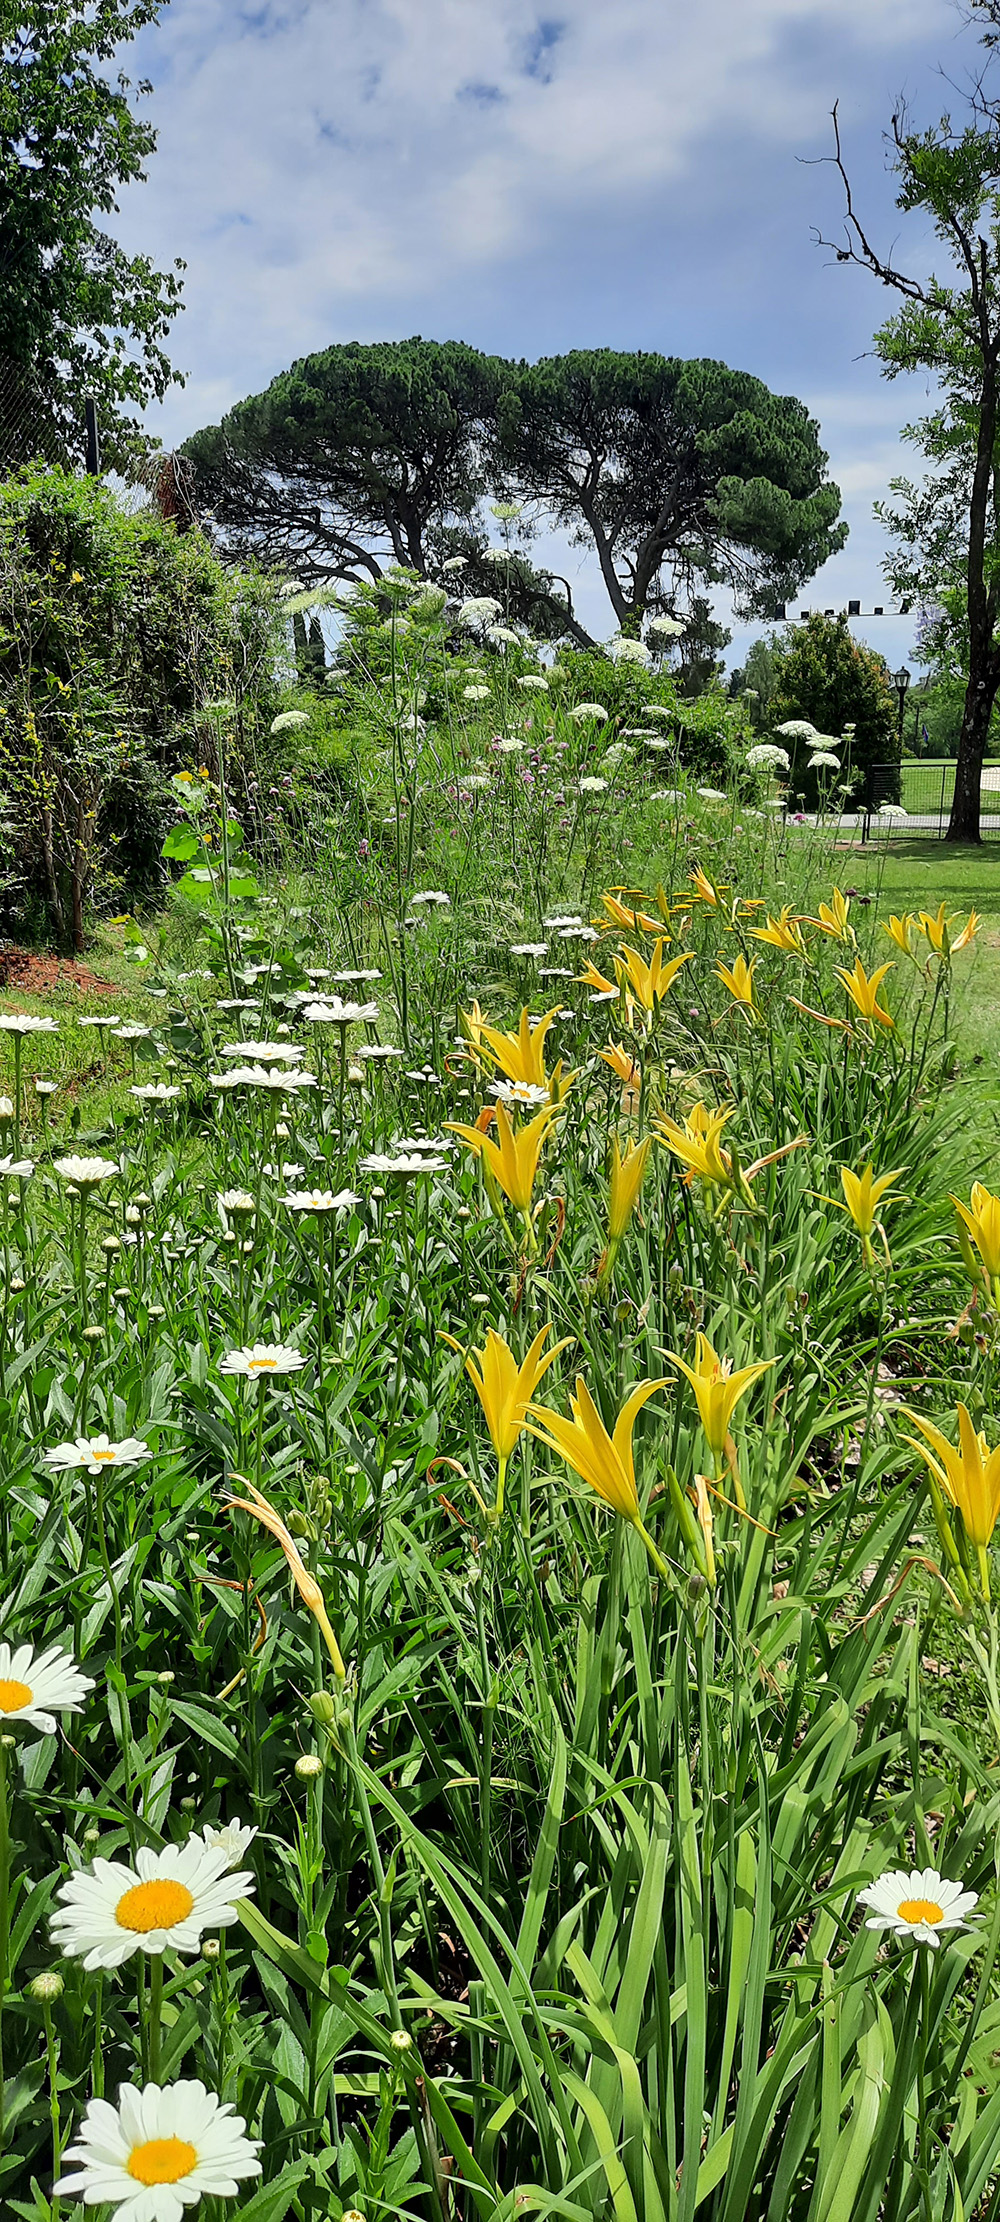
point(45, 1989)
point(401, 2041)
point(211, 1948)
point(110, 1244)
point(309, 1766)
point(322, 1707)
point(166, 1678)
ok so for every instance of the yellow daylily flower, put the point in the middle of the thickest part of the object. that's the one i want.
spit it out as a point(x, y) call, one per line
point(620, 915)
point(900, 930)
point(738, 978)
point(968, 933)
point(936, 929)
point(648, 983)
point(511, 1161)
point(705, 892)
point(505, 1390)
point(969, 1477)
point(862, 1197)
point(698, 1146)
point(604, 1461)
point(472, 1023)
point(591, 978)
point(626, 1179)
point(784, 932)
point(717, 1390)
point(863, 990)
point(981, 1218)
point(521, 1056)
point(305, 1582)
point(833, 919)
point(621, 1063)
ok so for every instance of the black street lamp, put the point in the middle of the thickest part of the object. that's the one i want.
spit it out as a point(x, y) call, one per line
point(901, 681)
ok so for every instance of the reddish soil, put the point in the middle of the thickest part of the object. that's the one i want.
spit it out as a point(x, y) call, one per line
point(30, 973)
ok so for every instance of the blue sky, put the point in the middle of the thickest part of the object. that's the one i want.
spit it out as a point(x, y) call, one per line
point(534, 175)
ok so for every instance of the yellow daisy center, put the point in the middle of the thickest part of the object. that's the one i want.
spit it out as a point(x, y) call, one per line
point(916, 1910)
point(262, 1365)
point(162, 2160)
point(106, 1456)
point(14, 1696)
point(154, 1905)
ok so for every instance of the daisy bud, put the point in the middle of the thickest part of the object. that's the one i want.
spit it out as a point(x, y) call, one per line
point(110, 1244)
point(401, 2041)
point(322, 1707)
point(308, 1767)
point(210, 1949)
point(16, 1287)
point(166, 1678)
point(46, 1989)
point(356, 1075)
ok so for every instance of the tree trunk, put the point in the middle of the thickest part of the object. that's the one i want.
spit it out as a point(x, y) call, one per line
point(963, 825)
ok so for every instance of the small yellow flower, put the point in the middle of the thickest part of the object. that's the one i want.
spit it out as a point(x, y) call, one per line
point(604, 1461)
point(783, 932)
point(717, 1390)
point(621, 1063)
point(900, 930)
point(969, 1477)
point(511, 1161)
point(968, 933)
point(863, 1196)
point(981, 1217)
point(472, 1023)
point(697, 1144)
point(648, 983)
point(833, 919)
point(505, 1390)
point(738, 978)
point(863, 990)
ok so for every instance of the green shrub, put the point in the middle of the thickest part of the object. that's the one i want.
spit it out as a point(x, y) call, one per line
point(115, 631)
point(826, 677)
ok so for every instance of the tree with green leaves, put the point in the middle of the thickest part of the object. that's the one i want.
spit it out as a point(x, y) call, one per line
point(78, 315)
point(824, 677)
point(677, 474)
point(946, 528)
point(353, 459)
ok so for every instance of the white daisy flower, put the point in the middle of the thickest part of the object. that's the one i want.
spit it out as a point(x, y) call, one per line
point(158, 2152)
point(402, 1167)
point(16, 1168)
point(525, 1092)
point(321, 1200)
point(19, 1022)
point(85, 1172)
point(237, 1200)
point(91, 1452)
point(264, 1053)
point(378, 1052)
point(156, 1091)
point(353, 979)
point(262, 1358)
point(528, 948)
point(101, 1018)
point(921, 1904)
point(46, 1087)
point(31, 1682)
point(232, 1837)
point(132, 1033)
point(429, 895)
point(335, 1012)
point(282, 1080)
point(168, 1898)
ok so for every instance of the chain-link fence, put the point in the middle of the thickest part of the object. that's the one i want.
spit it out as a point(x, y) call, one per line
point(928, 790)
point(28, 433)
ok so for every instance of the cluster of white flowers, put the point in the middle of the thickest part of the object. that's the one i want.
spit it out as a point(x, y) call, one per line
point(533, 683)
point(480, 609)
point(767, 756)
point(625, 650)
point(823, 759)
point(585, 711)
point(664, 628)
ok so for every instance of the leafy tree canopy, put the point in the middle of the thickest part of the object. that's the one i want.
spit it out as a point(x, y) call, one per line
point(822, 675)
point(77, 314)
point(676, 472)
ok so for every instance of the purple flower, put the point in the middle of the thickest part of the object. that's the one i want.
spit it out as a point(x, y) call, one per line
point(362, 852)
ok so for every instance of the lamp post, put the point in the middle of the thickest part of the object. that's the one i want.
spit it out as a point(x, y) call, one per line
point(901, 681)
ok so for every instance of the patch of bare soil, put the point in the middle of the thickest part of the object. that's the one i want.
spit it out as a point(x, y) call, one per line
point(31, 972)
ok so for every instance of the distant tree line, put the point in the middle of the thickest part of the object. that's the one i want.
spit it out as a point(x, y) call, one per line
point(674, 474)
